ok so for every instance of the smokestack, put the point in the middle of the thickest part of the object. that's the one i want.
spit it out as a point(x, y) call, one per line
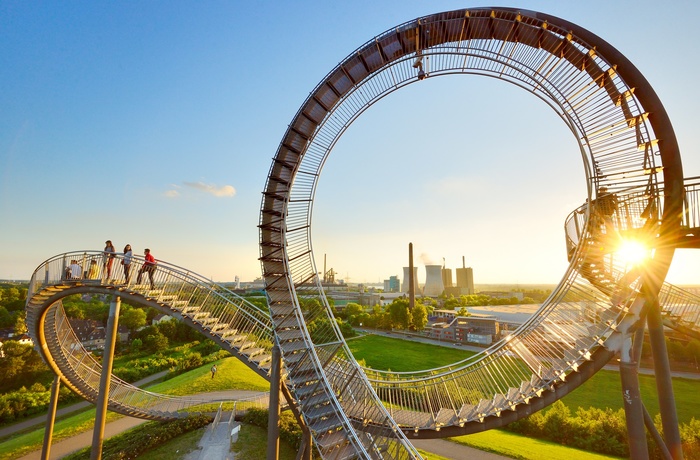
point(433, 281)
point(411, 279)
point(463, 264)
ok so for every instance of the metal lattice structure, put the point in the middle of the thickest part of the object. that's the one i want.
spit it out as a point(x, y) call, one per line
point(628, 148)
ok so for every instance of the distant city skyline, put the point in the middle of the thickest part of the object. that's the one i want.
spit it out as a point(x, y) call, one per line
point(156, 127)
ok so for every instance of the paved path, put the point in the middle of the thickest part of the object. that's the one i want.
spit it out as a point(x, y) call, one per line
point(453, 450)
point(41, 420)
point(66, 446)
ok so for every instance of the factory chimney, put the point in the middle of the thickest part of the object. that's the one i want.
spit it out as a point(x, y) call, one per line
point(411, 279)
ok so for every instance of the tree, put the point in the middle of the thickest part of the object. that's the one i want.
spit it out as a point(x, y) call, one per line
point(155, 341)
point(11, 295)
point(20, 324)
point(132, 318)
point(352, 312)
point(451, 303)
point(20, 365)
point(353, 309)
point(463, 312)
point(136, 345)
point(399, 313)
point(419, 317)
point(6, 319)
point(168, 328)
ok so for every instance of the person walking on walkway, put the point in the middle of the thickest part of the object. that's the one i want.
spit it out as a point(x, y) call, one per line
point(108, 259)
point(126, 262)
point(149, 266)
point(76, 271)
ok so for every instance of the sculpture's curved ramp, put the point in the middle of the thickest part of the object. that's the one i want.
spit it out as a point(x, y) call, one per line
point(414, 399)
point(627, 145)
point(221, 315)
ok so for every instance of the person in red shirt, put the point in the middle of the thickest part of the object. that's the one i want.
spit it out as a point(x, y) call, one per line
point(149, 266)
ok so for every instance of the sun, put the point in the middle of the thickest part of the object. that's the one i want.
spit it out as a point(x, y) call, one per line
point(632, 252)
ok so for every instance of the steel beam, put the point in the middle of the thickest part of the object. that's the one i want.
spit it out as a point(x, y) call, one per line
point(105, 379)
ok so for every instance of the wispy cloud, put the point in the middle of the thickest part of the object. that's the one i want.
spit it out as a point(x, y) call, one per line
point(222, 191)
point(176, 191)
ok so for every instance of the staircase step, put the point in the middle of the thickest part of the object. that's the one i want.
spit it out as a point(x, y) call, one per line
point(328, 424)
point(331, 438)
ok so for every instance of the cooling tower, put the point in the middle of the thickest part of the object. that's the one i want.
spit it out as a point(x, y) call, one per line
point(404, 281)
point(433, 281)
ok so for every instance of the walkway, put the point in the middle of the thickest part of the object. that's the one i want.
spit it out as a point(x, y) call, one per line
point(41, 420)
point(66, 446)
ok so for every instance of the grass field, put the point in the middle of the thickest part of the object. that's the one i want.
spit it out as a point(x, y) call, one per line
point(522, 447)
point(403, 355)
point(600, 391)
point(231, 373)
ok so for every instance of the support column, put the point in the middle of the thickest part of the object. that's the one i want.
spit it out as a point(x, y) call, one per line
point(634, 410)
point(105, 379)
point(273, 427)
point(664, 384)
point(50, 419)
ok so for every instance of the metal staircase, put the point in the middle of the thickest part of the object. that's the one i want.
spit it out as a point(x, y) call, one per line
point(617, 120)
point(224, 317)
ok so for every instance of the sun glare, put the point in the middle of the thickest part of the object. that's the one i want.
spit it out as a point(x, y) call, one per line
point(632, 252)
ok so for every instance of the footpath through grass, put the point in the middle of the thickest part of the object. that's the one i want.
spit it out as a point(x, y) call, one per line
point(232, 374)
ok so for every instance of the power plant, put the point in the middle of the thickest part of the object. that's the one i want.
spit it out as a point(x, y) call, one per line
point(433, 281)
point(438, 279)
point(465, 279)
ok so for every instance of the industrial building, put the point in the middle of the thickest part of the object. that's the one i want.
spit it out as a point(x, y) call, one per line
point(481, 329)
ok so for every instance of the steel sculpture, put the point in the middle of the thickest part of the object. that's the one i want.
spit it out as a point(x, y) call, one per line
point(628, 148)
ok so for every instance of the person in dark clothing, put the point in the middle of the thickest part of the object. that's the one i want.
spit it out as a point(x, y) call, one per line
point(149, 266)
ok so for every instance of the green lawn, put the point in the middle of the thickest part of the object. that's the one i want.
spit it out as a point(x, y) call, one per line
point(232, 373)
point(600, 391)
point(604, 390)
point(177, 448)
point(522, 447)
point(399, 355)
point(17, 446)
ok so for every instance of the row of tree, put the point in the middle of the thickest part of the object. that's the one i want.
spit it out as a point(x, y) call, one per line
point(396, 315)
point(13, 297)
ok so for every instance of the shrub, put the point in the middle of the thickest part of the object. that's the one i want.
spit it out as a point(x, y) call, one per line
point(289, 428)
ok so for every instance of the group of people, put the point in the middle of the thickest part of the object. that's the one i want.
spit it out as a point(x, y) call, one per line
point(75, 270)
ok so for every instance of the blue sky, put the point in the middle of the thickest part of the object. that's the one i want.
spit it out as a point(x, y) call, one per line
point(154, 124)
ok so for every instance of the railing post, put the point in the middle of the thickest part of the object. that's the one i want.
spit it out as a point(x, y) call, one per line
point(105, 379)
point(50, 419)
point(273, 431)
